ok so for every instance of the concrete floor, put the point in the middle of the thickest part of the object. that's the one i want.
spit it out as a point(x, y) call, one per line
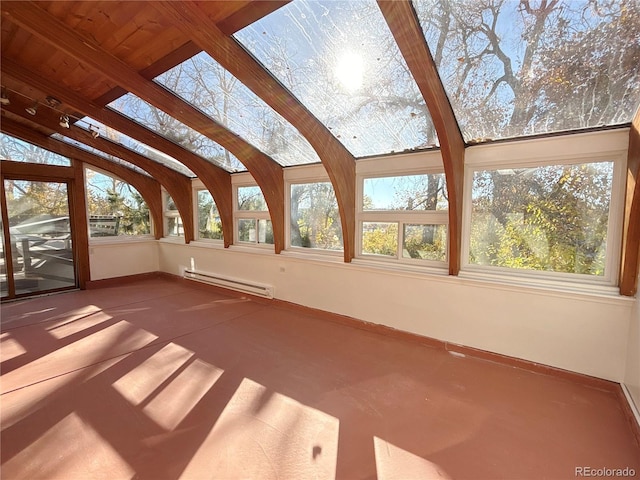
point(161, 380)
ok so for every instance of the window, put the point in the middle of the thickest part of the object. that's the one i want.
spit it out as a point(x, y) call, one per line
point(115, 208)
point(552, 218)
point(172, 219)
point(209, 223)
point(404, 218)
point(16, 150)
point(253, 224)
point(314, 217)
point(548, 210)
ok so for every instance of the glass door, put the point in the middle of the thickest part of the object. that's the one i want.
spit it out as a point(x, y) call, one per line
point(40, 240)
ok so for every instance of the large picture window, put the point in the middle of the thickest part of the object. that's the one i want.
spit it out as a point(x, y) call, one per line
point(404, 218)
point(551, 218)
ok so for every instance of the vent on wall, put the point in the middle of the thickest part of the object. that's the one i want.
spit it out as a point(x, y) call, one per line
point(245, 286)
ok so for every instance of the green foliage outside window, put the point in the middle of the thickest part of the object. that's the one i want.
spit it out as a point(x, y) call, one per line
point(546, 218)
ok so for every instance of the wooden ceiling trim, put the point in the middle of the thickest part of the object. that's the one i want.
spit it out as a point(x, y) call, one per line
point(215, 179)
point(248, 14)
point(148, 187)
point(630, 265)
point(178, 185)
point(406, 30)
point(169, 61)
point(337, 160)
point(39, 171)
point(267, 173)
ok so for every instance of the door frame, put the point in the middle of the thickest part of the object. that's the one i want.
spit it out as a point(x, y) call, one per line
point(73, 177)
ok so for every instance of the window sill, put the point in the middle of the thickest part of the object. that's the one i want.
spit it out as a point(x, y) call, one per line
point(178, 240)
point(331, 256)
point(98, 241)
point(215, 244)
point(258, 248)
point(401, 267)
point(522, 281)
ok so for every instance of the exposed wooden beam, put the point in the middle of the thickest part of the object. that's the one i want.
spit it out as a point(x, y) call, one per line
point(248, 14)
point(167, 62)
point(405, 28)
point(177, 184)
point(215, 179)
point(78, 208)
point(267, 173)
point(337, 160)
point(149, 188)
point(6, 236)
point(630, 264)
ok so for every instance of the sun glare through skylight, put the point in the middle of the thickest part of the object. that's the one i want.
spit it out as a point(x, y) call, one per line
point(340, 59)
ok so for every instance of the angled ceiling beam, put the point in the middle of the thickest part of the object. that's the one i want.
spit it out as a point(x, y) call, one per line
point(167, 62)
point(630, 264)
point(149, 188)
point(337, 160)
point(405, 28)
point(215, 179)
point(267, 173)
point(252, 12)
point(177, 184)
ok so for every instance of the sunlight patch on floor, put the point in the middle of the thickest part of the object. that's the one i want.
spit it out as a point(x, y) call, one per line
point(174, 402)
point(264, 434)
point(10, 347)
point(71, 449)
point(396, 463)
point(71, 327)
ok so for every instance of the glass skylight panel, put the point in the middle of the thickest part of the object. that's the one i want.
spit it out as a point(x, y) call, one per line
point(204, 83)
point(139, 147)
point(99, 153)
point(16, 150)
point(514, 68)
point(341, 60)
point(172, 129)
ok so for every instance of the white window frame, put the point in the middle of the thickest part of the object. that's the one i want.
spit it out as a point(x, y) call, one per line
point(196, 187)
point(119, 238)
point(246, 180)
point(167, 214)
point(571, 149)
point(422, 163)
point(298, 175)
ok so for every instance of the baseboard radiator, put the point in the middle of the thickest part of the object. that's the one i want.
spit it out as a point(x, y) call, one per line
point(239, 285)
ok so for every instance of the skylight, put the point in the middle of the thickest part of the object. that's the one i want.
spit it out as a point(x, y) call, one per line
point(172, 129)
point(517, 68)
point(340, 59)
point(14, 149)
point(99, 153)
point(205, 84)
point(139, 147)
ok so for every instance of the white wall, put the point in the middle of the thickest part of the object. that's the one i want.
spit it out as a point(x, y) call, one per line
point(632, 375)
point(117, 258)
point(579, 332)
